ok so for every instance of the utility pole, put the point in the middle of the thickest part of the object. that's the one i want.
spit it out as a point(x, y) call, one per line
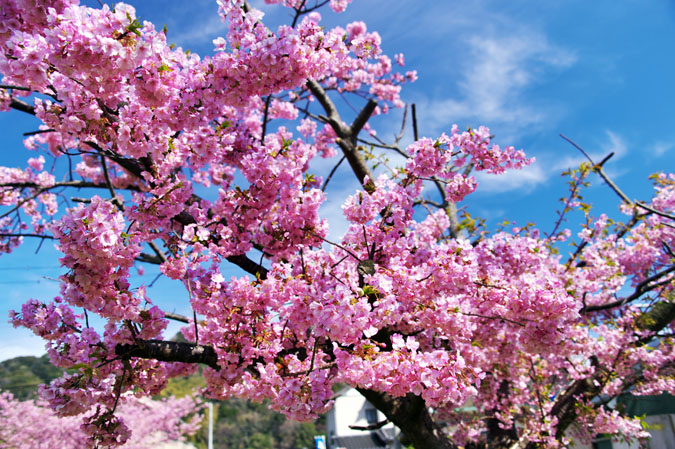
point(210, 425)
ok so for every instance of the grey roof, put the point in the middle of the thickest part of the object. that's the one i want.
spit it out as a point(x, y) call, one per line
point(370, 440)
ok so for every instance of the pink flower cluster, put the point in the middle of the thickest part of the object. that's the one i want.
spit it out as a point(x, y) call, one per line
point(142, 423)
point(445, 156)
point(203, 169)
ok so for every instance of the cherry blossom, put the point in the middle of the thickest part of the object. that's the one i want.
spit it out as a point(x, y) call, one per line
point(205, 166)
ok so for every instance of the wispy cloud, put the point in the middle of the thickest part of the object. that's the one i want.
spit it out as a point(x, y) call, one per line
point(524, 180)
point(495, 78)
point(201, 33)
point(550, 165)
point(661, 148)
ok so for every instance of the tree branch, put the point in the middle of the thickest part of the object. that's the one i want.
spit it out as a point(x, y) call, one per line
point(640, 289)
point(169, 351)
point(346, 134)
point(410, 414)
point(21, 106)
point(375, 426)
point(362, 118)
point(599, 170)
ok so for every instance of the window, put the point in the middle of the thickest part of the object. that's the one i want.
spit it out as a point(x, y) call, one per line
point(602, 443)
point(371, 415)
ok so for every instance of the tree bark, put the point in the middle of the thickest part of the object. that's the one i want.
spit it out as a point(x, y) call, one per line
point(410, 414)
point(169, 351)
point(498, 437)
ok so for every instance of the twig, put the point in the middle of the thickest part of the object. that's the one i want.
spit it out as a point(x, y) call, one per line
point(8, 86)
point(41, 236)
point(402, 132)
point(599, 170)
point(108, 183)
point(194, 313)
point(332, 172)
point(335, 244)
point(654, 211)
point(487, 317)
point(386, 147)
point(414, 121)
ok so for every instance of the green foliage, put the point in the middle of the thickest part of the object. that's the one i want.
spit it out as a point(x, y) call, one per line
point(242, 424)
point(22, 375)
point(182, 386)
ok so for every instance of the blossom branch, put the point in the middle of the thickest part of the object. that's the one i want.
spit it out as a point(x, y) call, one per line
point(642, 288)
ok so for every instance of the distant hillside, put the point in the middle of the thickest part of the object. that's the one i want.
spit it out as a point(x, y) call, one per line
point(22, 375)
point(239, 424)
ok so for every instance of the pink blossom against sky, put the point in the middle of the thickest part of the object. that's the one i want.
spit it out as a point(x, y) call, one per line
point(599, 72)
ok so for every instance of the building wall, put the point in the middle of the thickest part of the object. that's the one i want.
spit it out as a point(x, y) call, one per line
point(349, 409)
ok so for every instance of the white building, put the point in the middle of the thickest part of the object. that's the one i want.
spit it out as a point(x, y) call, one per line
point(351, 410)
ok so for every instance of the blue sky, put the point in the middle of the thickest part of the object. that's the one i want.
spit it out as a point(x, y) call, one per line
point(601, 72)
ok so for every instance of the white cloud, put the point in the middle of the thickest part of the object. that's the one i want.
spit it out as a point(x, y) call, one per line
point(524, 179)
point(549, 166)
point(200, 33)
point(661, 148)
point(21, 342)
point(493, 82)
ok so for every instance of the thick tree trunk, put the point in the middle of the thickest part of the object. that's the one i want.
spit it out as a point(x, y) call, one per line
point(498, 437)
point(411, 415)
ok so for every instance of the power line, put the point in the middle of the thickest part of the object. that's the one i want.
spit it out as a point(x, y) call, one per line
point(28, 268)
point(28, 281)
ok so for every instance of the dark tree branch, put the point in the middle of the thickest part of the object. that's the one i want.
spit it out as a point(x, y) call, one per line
point(21, 106)
point(640, 290)
point(497, 435)
point(332, 117)
point(40, 236)
point(265, 118)
point(149, 258)
point(375, 426)
point(362, 118)
point(10, 87)
point(176, 317)
point(654, 211)
point(169, 351)
point(74, 184)
point(158, 252)
point(39, 131)
point(347, 135)
point(414, 122)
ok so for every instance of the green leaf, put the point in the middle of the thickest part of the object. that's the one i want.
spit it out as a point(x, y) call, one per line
point(164, 68)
